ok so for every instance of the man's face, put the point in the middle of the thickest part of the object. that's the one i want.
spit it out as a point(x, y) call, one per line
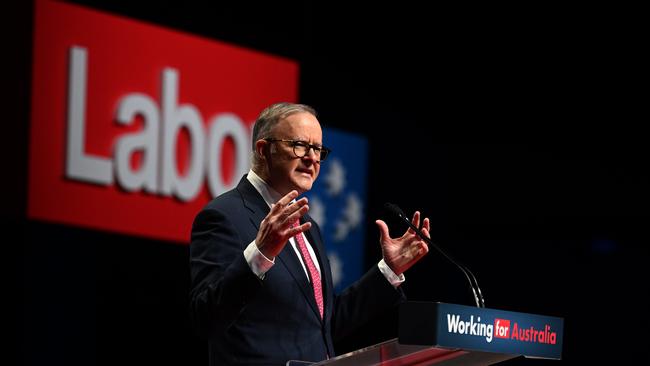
point(287, 171)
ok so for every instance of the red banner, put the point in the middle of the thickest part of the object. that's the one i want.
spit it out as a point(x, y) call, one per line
point(135, 127)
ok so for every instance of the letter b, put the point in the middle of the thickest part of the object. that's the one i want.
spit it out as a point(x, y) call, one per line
point(174, 118)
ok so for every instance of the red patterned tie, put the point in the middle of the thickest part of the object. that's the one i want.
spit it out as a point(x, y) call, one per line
point(311, 267)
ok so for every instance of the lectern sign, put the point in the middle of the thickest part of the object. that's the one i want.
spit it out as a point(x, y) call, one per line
point(500, 331)
point(481, 329)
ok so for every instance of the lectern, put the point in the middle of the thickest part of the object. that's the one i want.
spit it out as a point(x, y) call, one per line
point(449, 334)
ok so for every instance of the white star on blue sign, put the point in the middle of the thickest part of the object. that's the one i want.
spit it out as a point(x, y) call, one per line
point(337, 203)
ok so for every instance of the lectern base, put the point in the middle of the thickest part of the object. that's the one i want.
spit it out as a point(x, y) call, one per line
point(392, 353)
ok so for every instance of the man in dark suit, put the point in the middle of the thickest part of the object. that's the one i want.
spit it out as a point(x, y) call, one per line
point(262, 289)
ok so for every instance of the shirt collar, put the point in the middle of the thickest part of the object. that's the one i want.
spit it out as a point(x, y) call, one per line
point(269, 194)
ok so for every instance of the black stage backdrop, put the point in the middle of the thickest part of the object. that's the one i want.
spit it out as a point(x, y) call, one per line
point(512, 129)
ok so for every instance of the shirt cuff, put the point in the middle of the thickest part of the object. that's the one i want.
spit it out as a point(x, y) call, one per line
point(394, 279)
point(257, 261)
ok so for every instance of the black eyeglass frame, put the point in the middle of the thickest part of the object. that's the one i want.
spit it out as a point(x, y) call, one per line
point(324, 151)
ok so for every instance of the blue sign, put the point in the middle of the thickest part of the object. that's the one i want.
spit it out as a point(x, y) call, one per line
point(481, 329)
point(337, 203)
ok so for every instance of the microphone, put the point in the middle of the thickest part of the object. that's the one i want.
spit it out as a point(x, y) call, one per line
point(473, 283)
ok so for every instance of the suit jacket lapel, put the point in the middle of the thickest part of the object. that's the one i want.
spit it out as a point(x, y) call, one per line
point(289, 258)
point(253, 201)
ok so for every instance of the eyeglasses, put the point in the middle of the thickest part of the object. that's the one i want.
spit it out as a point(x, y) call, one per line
point(301, 148)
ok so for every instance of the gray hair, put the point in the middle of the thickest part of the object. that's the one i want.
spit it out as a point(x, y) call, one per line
point(270, 116)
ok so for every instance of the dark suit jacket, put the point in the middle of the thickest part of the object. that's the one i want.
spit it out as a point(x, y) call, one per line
point(267, 322)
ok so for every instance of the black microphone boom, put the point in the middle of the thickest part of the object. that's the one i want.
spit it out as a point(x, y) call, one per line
point(473, 283)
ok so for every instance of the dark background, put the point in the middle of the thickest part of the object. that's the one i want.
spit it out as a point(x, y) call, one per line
point(516, 130)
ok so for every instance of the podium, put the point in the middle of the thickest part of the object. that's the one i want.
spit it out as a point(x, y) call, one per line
point(448, 334)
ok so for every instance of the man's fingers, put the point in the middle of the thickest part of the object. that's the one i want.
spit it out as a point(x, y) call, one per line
point(283, 209)
point(415, 221)
point(425, 231)
point(297, 212)
point(299, 229)
point(288, 198)
point(289, 210)
point(284, 201)
point(425, 248)
point(383, 230)
point(426, 226)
